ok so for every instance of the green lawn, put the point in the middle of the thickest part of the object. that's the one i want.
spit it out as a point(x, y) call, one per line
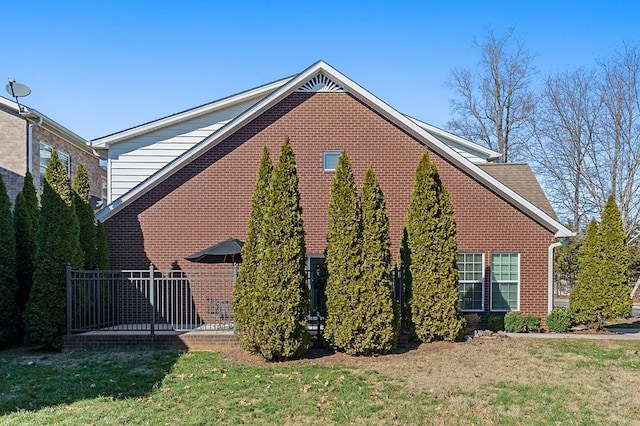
point(510, 382)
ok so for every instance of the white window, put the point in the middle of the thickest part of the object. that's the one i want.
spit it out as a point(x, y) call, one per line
point(505, 282)
point(471, 269)
point(45, 156)
point(330, 160)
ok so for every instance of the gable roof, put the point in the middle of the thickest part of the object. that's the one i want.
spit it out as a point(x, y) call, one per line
point(33, 116)
point(256, 93)
point(459, 144)
point(322, 77)
point(520, 178)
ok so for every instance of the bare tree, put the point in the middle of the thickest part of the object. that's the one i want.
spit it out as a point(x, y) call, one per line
point(565, 137)
point(616, 159)
point(493, 101)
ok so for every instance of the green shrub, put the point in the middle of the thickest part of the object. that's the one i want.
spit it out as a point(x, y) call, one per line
point(25, 220)
point(532, 323)
point(431, 231)
point(518, 323)
point(86, 218)
point(58, 244)
point(280, 326)
point(559, 320)
point(495, 322)
point(602, 290)
point(245, 298)
point(344, 261)
point(513, 323)
point(9, 312)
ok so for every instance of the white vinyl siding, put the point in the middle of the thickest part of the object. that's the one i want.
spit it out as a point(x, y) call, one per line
point(134, 160)
point(505, 282)
point(471, 269)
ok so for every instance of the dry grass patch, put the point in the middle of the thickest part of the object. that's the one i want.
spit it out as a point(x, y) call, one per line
point(485, 381)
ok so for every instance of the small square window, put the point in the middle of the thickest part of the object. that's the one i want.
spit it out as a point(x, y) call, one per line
point(330, 160)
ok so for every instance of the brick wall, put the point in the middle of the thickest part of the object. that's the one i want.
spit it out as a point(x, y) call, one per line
point(210, 200)
point(13, 152)
point(97, 174)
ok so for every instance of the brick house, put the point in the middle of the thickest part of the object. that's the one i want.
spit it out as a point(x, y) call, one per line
point(197, 170)
point(27, 138)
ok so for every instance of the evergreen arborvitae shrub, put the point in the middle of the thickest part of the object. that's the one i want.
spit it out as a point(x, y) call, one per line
point(102, 249)
point(245, 298)
point(57, 176)
point(344, 262)
point(559, 320)
point(431, 234)
point(615, 263)
point(86, 218)
point(25, 249)
point(9, 311)
point(380, 325)
point(280, 326)
point(58, 244)
point(586, 300)
point(31, 199)
point(405, 272)
point(602, 291)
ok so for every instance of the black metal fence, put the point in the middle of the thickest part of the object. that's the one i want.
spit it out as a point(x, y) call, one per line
point(152, 300)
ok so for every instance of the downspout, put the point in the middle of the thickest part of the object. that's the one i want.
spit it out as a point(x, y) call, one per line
point(550, 274)
point(30, 127)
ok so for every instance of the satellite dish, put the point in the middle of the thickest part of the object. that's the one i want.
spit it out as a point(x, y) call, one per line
point(17, 90)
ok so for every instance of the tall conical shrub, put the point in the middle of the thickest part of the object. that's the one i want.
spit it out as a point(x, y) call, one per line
point(344, 261)
point(432, 243)
point(615, 263)
point(602, 291)
point(381, 316)
point(245, 298)
point(9, 312)
point(25, 220)
point(587, 299)
point(281, 318)
point(86, 218)
point(58, 245)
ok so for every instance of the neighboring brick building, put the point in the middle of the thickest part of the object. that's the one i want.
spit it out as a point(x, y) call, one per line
point(27, 139)
point(203, 195)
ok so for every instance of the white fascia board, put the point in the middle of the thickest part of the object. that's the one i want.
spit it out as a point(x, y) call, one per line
point(489, 153)
point(106, 141)
point(32, 115)
point(9, 103)
point(358, 91)
point(448, 152)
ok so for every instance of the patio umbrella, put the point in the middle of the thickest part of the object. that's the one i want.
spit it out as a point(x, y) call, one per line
point(228, 251)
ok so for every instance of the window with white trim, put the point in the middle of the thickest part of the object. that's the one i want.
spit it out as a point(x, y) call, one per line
point(45, 156)
point(505, 281)
point(330, 160)
point(471, 269)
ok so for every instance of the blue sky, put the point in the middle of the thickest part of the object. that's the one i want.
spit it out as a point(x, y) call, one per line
point(98, 67)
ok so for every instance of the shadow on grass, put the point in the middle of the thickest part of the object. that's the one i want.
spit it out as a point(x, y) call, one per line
point(32, 379)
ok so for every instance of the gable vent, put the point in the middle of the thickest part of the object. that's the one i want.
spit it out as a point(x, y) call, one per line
point(321, 83)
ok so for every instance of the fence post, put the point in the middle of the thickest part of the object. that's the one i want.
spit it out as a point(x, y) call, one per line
point(69, 301)
point(152, 297)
